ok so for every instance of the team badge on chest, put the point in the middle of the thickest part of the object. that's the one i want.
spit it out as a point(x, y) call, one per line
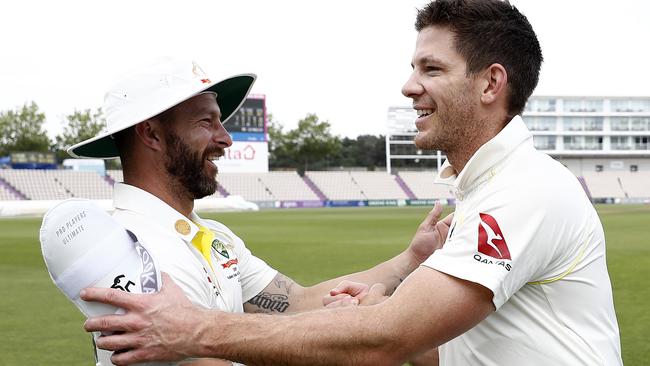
point(225, 253)
point(220, 248)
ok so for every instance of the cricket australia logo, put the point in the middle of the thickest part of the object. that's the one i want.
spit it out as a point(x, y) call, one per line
point(224, 252)
point(220, 248)
point(492, 243)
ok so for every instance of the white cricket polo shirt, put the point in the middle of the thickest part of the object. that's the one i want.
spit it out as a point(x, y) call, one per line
point(525, 229)
point(237, 276)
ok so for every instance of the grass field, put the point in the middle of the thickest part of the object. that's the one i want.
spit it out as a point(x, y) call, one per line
point(38, 326)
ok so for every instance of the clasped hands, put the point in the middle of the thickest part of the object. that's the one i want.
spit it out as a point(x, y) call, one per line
point(430, 236)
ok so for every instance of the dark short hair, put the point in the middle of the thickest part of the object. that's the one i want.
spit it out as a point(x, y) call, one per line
point(488, 32)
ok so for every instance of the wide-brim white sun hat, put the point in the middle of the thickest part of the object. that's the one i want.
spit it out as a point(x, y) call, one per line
point(153, 89)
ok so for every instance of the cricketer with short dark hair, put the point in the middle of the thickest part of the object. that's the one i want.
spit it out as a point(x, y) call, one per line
point(522, 277)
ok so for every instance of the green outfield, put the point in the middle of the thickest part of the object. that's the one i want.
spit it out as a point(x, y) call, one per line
point(38, 326)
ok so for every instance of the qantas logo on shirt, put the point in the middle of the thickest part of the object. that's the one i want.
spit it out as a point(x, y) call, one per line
point(491, 241)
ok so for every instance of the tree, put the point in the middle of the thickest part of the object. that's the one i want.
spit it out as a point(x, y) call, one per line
point(312, 144)
point(80, 125)
point(279, 156)
point(309, 146)
point(366, 151)
point(22, 130)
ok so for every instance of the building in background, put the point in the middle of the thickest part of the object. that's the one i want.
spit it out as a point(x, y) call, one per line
point(587, 134)
point(592, 134)
point(401, 152)
point(249, 152)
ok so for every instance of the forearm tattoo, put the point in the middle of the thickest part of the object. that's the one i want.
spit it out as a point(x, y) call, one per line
point(276, 297)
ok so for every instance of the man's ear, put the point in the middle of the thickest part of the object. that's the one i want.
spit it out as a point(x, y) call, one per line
point(150, 133)
point(494, 84)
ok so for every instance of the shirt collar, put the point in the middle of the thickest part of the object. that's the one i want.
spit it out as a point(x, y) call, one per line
point(131, 198)
point(487, 156)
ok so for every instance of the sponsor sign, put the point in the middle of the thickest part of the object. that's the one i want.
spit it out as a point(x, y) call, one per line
point(245, 157)
point(346, 203)
point(301, 204)
point(382, 203)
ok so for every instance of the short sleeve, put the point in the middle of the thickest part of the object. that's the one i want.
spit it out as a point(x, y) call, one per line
point(496, 245)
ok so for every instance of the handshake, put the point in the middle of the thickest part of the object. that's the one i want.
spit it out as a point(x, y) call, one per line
point(349, 293)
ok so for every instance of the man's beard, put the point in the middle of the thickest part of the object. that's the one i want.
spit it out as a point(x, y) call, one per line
point(456, 123)
point(187, 167)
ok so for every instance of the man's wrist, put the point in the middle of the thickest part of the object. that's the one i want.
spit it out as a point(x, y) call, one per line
point(208, 325)
point(415, 259)
point(409, 261)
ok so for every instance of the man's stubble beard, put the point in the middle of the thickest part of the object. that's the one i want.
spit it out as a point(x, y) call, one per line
point(457, 124)
point(186, 168)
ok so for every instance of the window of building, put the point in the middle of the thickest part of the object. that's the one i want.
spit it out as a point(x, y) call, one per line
point(619, 124)
point(583, 105)
point(599, 168)
point(573, 124)
point(540, 105)
point(593, 123)
point(638, 105)
point(583, 142)
point(634, 168)
point(639, 124)
point(620, 142)
point(583, 123)
point(544, 142)
point(541, 123)
point(641, 143)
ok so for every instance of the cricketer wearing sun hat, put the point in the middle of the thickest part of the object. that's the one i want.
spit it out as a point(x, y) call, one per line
point(211, 264)
point(166, 125)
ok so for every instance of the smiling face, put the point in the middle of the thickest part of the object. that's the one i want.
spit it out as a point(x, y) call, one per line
point(443, 96)
point(194, 138)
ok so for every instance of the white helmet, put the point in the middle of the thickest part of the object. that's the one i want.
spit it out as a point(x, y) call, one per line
point(83, 246)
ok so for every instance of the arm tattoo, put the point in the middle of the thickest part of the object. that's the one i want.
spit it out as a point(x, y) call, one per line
point(275, 298)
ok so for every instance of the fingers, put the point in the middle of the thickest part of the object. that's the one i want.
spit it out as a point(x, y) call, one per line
point(328, 299)
point(351, 288)
point(117, 342)
point(432, 217)
point(448, 219)
point(343, 302)
point(114, 323)
point(115, 297)
point(376, 295)
point(443, 230)
point(169, 286)
point(131, 357)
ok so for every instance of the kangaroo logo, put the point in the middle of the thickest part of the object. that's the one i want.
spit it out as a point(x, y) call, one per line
point(490, 238)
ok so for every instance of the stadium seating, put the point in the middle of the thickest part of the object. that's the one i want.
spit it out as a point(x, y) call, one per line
point(83, 184)
point(337, 185)
point(636, 184)
point(421, 184)
point(35, 184)
point(605, 184)
point(7, 195)
point(378, 185)
point(247, 185)
point(289, 186)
